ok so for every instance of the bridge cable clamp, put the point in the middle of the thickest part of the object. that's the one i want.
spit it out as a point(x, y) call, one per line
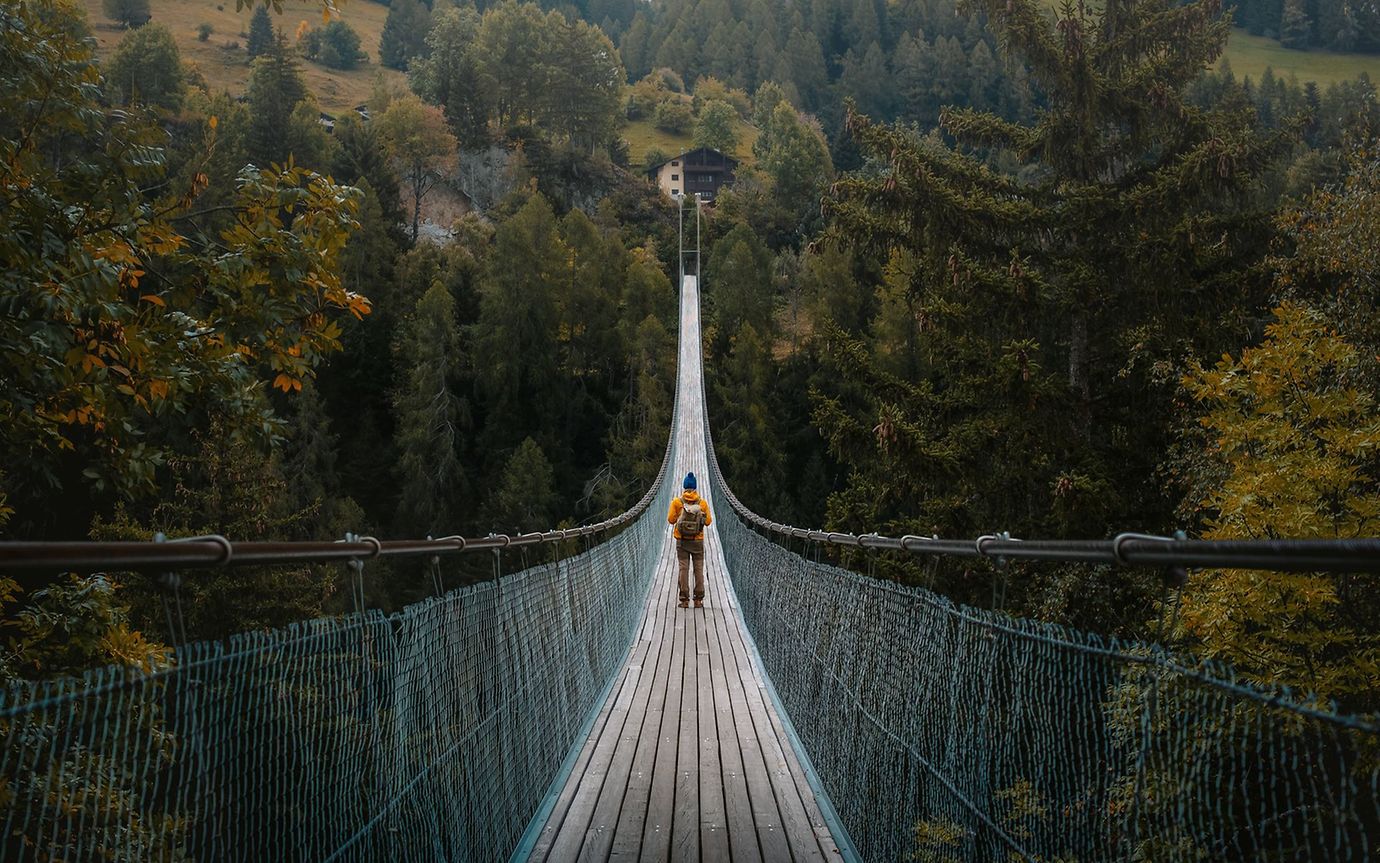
point(1119, 556)
point(227, 551)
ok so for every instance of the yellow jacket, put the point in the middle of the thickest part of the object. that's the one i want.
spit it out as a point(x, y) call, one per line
point(678, 504)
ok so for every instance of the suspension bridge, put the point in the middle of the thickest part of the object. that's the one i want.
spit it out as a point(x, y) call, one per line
point(571, 711)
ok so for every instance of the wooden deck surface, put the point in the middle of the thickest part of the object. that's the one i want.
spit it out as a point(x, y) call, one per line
point(688, 759)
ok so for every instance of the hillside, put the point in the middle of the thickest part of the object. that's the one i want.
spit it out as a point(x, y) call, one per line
point(643, 136)
point(1252, 55)
point(227, 68)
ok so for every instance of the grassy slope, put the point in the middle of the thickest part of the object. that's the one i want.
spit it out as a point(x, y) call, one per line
point(1250, 55)
point(227, 69)
point(643, 135)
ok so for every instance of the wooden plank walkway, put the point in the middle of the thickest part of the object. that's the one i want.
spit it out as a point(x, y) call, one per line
point(688, 759)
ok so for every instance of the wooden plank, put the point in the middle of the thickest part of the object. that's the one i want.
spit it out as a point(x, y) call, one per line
point(713, 817)
point(607, 811)
point(739, 810)
point(558, 815)
point(632, 819)
point(661, 799)
point(571, 835)
point(802, 820)
point(685, 823)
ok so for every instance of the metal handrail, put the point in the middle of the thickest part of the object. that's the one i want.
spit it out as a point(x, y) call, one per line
point(205, 552)
point(1125, 549)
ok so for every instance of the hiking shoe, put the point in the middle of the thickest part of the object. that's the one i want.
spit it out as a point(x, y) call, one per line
point(685, 603)
point(699, 603)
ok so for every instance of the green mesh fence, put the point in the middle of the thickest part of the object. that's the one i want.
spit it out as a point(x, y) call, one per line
point(944, 733)
point(429, 734)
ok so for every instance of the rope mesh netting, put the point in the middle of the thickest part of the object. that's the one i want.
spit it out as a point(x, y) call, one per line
point(428, 734)
point(945, 733)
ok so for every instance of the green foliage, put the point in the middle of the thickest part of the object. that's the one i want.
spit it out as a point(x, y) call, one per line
point(794, 157)
point(430, 418)
point(404, 33)
point(64, 630)
point(451, 74)
point(130, 13)
point(146, 68)
point(1295, 28)
point(203, 32)
point(715, 127)
point(516, 66)
point(422, 147)
point(275, 89)
point(261, 35)
point(674, 116)
point(188, 326)
point(739, 289)
point(526, 494)
point(339, 46)
point(655, 158)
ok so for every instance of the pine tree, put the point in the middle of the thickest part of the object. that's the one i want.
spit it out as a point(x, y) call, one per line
point(430, 418)
point(1295, 28)
point(130, 13)
point(451, 74)
point(404, 33)
point(275, 88)
point(519, 375)
point(1044, 308)
point(261, 36)
point(525, 500)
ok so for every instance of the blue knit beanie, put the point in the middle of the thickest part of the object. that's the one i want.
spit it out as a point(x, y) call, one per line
point(690, 481)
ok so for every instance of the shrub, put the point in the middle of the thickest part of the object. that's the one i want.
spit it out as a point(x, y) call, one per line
point(654, 157)
point(675, 117)
point(203, 32)
point(670, 79)
point(339, 46)
point(131, 13)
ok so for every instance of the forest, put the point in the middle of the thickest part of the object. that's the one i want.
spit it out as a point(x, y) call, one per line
point(978, 273)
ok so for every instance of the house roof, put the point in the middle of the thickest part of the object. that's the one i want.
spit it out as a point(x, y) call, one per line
point(732, 162)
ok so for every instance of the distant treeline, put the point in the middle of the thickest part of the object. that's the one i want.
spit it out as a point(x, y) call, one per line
point(1337, 25)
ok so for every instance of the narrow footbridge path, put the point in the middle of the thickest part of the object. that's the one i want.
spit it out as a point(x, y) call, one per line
point(689, 758)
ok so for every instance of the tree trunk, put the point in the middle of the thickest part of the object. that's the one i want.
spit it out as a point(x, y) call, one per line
point(1078, 371)
point(416, 205)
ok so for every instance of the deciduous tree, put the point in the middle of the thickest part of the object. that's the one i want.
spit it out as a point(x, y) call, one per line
point(422, 147)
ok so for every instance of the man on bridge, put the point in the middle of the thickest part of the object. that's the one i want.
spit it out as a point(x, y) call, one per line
point(690, 516)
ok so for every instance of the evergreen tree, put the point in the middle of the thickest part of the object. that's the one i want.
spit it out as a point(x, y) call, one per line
point(1045, 308)
point(431, 418)
point(805, 59)
point(526, 499)
point(518, 370)
point(261, 35)
point(739, 290)
point(361, 158)
point(451, 74)
point(275, 88)
point(404, 33)
point(1295, 28)
point(794, 157)
point(130, 13)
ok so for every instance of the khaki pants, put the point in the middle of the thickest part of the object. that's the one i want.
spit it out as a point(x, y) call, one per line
point(690, 551)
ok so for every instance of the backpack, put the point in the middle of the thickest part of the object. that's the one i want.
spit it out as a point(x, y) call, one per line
point(691, 520)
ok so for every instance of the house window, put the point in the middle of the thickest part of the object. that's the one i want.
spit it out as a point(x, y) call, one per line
point(675, 191)
point(675, 164)
point(675, 178)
